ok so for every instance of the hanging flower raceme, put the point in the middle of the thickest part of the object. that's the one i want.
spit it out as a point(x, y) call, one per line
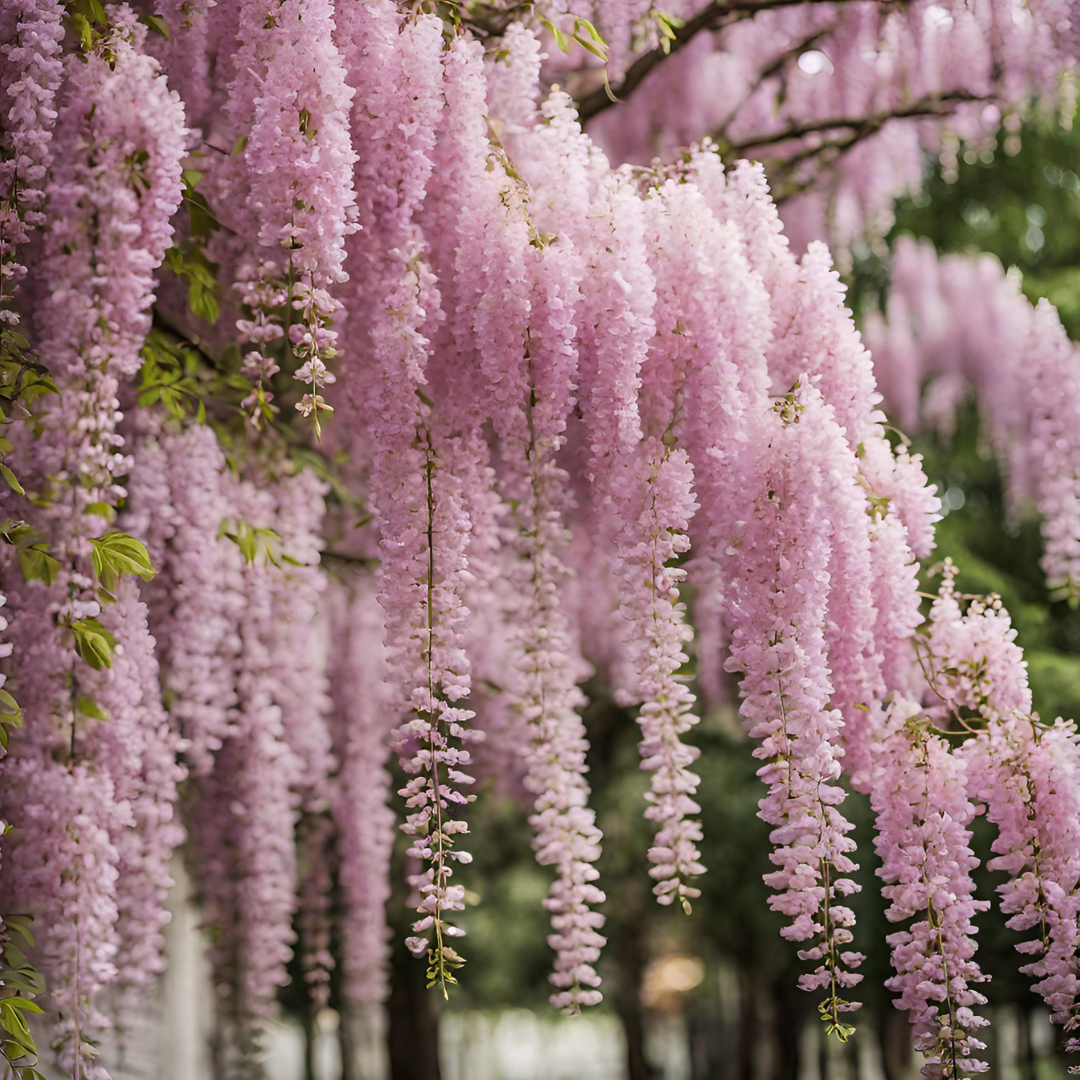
point(420, 502)
point(653, 610)
point(690, 369)
point(530, 361)
point(919, 795)
point(137, 748)
point(95, 838)
point(1018, 363)
point(290, 101)
point(361, 810)
point(237, 638)
point(1051, 371)
point(1024, 771)
point(196, 45)
point(779, 598)
point(30, 73)
point(300, 688)
point(73, 813)
point(243, 824)
point(871, 623)
point(181, 501)
point(112, 194)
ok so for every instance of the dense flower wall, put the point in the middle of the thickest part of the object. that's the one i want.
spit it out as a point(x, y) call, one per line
point(359, 405)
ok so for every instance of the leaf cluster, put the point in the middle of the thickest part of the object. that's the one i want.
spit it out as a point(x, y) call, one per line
point(188, 260)
point(257, 545)
point(21, 984)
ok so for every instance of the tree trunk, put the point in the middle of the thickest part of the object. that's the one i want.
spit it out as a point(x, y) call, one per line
point(894, 1038)
point(789, 1003)
point(749, 1029)
point(1025, 1047)
point(631, 971)
point(414, 1024)
point(311, 1042)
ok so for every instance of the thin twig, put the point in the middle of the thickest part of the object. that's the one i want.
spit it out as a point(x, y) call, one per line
point(860, 126)
point(714, 16)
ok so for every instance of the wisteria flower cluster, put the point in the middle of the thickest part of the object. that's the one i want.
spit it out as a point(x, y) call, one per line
point(370, 406)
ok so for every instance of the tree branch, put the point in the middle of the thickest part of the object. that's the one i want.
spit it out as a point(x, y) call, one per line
point(857, 131)
point(714, 16)
point(860, 126)
point(781, 61)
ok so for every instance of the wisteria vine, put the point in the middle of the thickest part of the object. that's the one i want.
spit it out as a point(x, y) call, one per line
point(359, 394)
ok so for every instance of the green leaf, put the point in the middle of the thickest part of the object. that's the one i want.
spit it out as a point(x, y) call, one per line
point(10, 713)
point(28, 982)
point(560, 38)
point(26, 1005)
point(9, 478)
point(203, 303)
point(14, 957)
point(257, 545)
point(37, 564)
point(83, 30)
point(158, 25)
point(596, 50)
point(116, 554)
point(89, 707)
point(594, 34)
point(93, 643)
point(587, 36)
point(21, 925)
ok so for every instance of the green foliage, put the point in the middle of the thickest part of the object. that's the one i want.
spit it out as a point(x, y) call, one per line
point(21, 983)
point(328, 469)
point(175, 375)
point(94, 644)
point(442, 962)
point(258, 545)
point(157, 25)
point(22, 381)
point(1022, 207)
point(9, 478)
point(584, 33)
point(87, 21)
point(116, 554)
point(11, 717)
point(35, 561)
point(666, 26)
point(88, 707)
point(190, 264)
point(188, 260)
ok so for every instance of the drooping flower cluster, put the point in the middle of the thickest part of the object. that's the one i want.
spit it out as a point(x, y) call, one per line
point(1024, 771)
point(30, 45)
point(572, 391)
point(101, 796)
point(289, 101)
point(961, 326)
point(919, 794)
point(361, 811)
point(779, 645)
point(840, 99)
